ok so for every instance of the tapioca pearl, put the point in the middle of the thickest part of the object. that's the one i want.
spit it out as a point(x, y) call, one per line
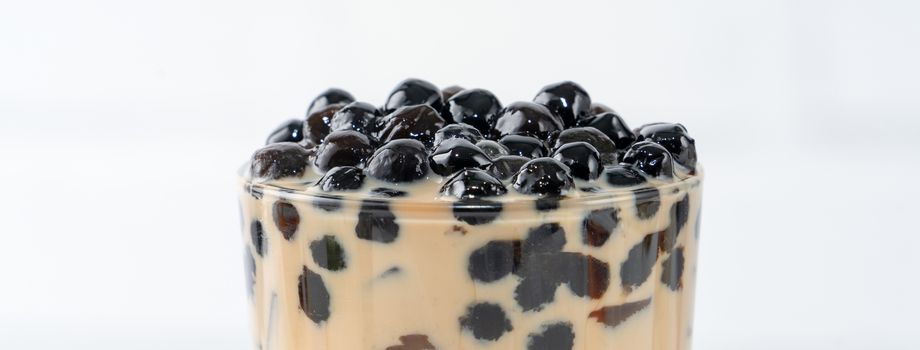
point(280, 160)
point(624, 175)
point(383, 192)
point(547, 203)
point(328, 253)
point(543, 272)
point(313, 296)
point(494, 261)
point(586, 275)
point(590, 189)
point(667, 239)
point(332, 96)
point(557, 336)
point(639, 262)
point(599, 225)
point(546, 238)
point(316, 125)
point(257, 236)
point(504, 167)
point(680, 211)
point(536, 289)
point(648, 200)
point(341, 178)
point(250, 266)
point(614, 315)
point(486, 321)
point(376, 222)
point(493, 148)
point(450, 91)
point(328, 203)
point(678, 214)
point(475, 211)
point(672, 270)
point(286, 218)
point(413, 342)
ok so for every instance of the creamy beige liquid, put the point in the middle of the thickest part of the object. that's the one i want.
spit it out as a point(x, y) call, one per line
point(424, 301)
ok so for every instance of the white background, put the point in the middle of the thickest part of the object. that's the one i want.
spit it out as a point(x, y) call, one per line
point(122, 124)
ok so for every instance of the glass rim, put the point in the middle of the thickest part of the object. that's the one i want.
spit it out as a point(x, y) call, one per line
point(364, 198)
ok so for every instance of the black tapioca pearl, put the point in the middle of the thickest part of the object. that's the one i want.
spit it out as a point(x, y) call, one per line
point(286, 218)
point(342, 178)
point(526, 118)
point(547, 203)
point(546, 238)
point(614, 315)
point(453, 155)
point(557, 336)
point(567, 100)
point(313, 295)
point(543, 176)
point(674, 138)
point(672, 271)
point(403, 160)
point(599, 225)
point(494, 260)
point(250, 265)
point(473, 183)
point(582, 158)
point(346, 148)
point(524, 146)
point(316, 126)
point(376, 222)
point(475, 211)
point(537, 288)
point(598, 108)
point(613, 126)
point(639, 262)
point(667, 239)
point(590, 189)
point(290, 131)
point(624, 176)
point(332, 96)
point(280, 160)
point(680, 211)
point(328, 203)
point(419, 122)
point(586, 275)
point(383, 192)
point(494, 149)
point(486, 321)
point(450, 91)
point(257, 235)
point(651, 159)
point(648, 200)
point(328, 253)
point(413, 342)
point(413, 91)
point(460, 130)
